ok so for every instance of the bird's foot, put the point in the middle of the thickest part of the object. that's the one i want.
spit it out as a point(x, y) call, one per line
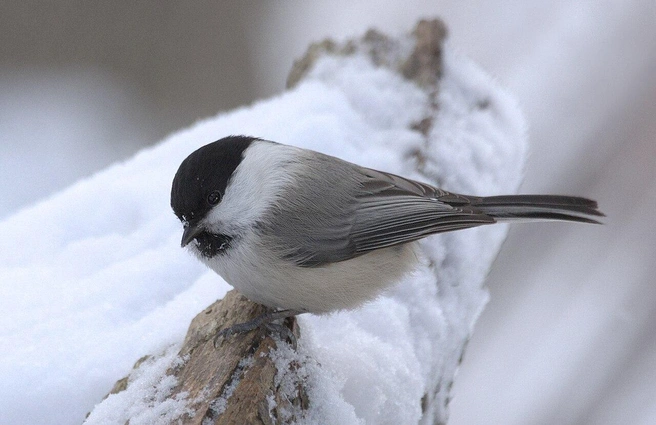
point(266, 320)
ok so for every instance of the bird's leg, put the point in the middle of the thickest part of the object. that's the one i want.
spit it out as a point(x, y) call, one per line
point(265, 319)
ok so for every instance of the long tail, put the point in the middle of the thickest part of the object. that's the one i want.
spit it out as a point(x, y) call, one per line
point(545, 207)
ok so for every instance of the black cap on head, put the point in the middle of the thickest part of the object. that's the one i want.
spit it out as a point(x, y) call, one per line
point(206, 171)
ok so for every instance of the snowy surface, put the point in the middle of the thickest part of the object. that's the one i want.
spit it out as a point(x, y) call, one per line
point(93, 278)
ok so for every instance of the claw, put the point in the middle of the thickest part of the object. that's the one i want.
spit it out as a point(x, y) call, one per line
point(265, 319)
point(283, 332)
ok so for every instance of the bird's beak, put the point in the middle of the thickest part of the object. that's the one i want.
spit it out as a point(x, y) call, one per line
point(190, 233)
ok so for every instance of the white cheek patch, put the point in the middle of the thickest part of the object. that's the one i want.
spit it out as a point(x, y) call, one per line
point(255, 185)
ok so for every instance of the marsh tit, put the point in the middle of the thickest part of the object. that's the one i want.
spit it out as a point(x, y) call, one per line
point(300, 231)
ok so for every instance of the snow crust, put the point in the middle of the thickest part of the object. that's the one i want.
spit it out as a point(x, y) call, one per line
point(93, 278)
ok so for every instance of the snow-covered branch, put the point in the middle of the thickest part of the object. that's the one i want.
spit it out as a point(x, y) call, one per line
point(115, 286)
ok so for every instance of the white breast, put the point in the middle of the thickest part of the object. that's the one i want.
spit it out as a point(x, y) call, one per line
point(265, 278)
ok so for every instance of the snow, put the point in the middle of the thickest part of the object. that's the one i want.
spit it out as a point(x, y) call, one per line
point(146, 400)
point(93, 278)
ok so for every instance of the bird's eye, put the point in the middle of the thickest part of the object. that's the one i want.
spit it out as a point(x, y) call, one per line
point(214, 198)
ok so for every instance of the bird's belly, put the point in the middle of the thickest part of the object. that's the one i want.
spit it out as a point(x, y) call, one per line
point(267, 280)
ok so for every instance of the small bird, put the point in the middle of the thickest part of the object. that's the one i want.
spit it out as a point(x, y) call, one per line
point(300, 231)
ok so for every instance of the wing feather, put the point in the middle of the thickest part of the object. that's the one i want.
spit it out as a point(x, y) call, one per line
point(403, 214)
point(373, 210)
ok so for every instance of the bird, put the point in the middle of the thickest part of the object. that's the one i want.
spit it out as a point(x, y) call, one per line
point(300, 231)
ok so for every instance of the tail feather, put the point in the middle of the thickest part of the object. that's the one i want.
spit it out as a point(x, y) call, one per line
point(546, 207)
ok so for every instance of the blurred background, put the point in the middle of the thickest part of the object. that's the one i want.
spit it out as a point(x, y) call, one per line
point(569, 335)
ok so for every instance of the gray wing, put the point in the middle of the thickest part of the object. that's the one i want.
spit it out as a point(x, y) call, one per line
point(367, 210)
point(394, 210)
